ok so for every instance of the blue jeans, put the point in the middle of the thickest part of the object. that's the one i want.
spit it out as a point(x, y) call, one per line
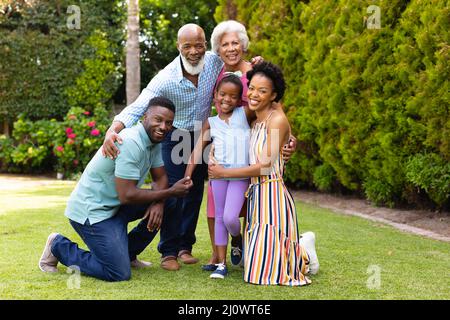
point(180, 214)
point(111, 248)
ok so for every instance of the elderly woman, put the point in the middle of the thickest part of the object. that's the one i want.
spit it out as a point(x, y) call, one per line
point(230, 41)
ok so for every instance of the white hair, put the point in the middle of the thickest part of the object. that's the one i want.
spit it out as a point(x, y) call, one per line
point(227, 27)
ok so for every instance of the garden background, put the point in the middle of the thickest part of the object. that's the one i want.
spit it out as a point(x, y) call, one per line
point(368, 105)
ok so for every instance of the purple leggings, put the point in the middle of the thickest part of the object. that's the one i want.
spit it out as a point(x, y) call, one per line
point(228, 200)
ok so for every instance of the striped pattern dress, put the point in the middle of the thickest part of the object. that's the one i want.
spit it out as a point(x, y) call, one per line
point(272, 253)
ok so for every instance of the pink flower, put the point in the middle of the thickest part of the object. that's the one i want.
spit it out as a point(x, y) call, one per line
point(59, 149)
point(72, 117)
point(86, 113)
point(71, 136)
point(95, 132)
point(91, 124)
point(76, 162)
point(69, 130)
point(70, 141)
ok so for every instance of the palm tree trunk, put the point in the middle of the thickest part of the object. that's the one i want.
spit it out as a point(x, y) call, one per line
point(133, 80)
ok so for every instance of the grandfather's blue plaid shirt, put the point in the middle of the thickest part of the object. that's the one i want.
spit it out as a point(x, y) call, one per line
point(191, 103)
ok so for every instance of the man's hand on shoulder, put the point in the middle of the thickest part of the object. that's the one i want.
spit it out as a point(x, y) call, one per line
point(109, 149)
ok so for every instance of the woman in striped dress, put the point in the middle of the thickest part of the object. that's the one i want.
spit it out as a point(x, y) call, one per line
point(273, 249)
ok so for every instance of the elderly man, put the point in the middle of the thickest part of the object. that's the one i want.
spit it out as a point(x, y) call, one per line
point(189, 82)
point(108, 197)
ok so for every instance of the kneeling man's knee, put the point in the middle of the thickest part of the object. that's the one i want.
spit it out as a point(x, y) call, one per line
point(119, 275)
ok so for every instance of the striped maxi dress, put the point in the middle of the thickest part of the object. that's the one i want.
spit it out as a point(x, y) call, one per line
point(272, 253)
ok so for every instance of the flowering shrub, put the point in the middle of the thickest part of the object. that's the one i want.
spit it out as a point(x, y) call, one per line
point(30, 147)
point(65, 146)
point(82, 136)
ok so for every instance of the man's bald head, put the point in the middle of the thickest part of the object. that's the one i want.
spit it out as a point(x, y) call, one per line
point(191, 30)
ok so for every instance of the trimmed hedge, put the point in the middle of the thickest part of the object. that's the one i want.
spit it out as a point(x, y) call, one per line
point(46, 68)
point(370, 107)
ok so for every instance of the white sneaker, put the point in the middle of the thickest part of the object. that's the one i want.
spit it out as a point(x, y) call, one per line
point(138, 264)
point(308, 241)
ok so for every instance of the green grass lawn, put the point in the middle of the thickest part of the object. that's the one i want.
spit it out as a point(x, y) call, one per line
point(349, 249)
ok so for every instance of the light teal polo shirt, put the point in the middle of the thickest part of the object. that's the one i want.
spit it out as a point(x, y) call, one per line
point(95, 196)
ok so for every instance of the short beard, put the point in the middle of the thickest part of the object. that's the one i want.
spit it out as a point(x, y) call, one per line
point(189, 68)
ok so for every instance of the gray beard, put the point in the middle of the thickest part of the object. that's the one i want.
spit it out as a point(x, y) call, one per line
point(193, 70)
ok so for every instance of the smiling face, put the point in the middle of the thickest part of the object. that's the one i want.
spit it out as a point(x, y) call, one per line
point(260, 93)
point(192, 46)
point(228, 96)
point(158, 122)
point(230, 49)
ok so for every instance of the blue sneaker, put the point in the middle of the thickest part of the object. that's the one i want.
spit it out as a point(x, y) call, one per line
point(236, 255)
point(209, 267)
point(220, 272)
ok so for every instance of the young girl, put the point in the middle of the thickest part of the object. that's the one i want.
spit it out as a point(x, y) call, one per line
point(230, 133)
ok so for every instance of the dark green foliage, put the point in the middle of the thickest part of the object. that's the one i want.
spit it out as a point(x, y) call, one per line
point(431, 173)
point(361, 101)
point(324, 176)
point(46, 67)
point(6, 149)
point(159, 23)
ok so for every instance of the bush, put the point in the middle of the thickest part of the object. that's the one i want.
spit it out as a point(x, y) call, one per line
point(65, 146)
point(431, 173)
point(43, 61)
point(324, 177)
point(32, 141)
point(360, 101)
point(379, 192)
point(79, 137)
point(6, 149)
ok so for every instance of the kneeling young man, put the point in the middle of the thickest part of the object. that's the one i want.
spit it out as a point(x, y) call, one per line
point(108, 197)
